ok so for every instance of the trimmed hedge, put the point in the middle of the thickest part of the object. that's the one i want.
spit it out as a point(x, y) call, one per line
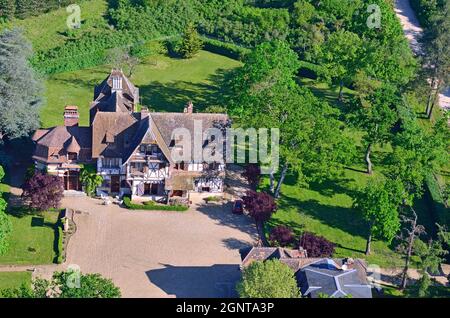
point(223, 48)
point(60, 246)
point(153, 206)
point(441, 212)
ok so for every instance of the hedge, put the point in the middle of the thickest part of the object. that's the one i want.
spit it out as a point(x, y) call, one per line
point(438, 205)
point(153, 207)
point(223, 48)
point(59, 238)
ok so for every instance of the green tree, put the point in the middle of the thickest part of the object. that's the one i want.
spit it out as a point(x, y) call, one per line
point(379, 202)
point(418, 151)
point(21, 91)
point(376, 115)
point(269, 279)
point(7, 9)
point(341, 55)
point(90, 179)
point(5, 227)
point(265, 94)
point(191, 43)
point(437, 55)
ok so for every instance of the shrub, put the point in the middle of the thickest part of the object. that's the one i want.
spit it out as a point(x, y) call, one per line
point(281, 236)
point(60, 238)
point(213, 199)
point(316, 246)
point(223, 48)
point(153, 206)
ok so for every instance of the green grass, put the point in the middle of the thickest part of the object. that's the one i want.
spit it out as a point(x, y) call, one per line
point(14, 279)
point(165, 84)
point(32, 241)
point(47, 31)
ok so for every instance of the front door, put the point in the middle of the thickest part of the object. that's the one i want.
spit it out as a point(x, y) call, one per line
point(115, 184)
point(72, 180)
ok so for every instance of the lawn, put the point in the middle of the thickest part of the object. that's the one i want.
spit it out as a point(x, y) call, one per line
point(47, 31)
point(32, 241)
point(14, 279)
point(165, 84)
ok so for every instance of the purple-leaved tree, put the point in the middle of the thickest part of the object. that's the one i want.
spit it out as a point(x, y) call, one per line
point(260, 206)
point(43, 191)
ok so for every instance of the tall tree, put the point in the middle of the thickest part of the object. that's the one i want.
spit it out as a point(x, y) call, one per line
point(43, 191)
point(20, 89)
point(7, 9)
point(411, 231)
point(379, 202)
point(418, 151)
point(260, 206)
point(342, 56)
point(122, 57)
point(437, 55)
point(265, 95)
point(191, 43)
point(376, 115)
point(269, 279)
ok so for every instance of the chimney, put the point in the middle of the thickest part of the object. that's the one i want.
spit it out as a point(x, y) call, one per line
point(71, 116)
point(189, 109)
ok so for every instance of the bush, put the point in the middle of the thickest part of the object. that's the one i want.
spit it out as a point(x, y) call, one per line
point(281, 236)
point(60, 238)
point(213, 199)
point(316, 246)
point(223, 48)
point(153, 206)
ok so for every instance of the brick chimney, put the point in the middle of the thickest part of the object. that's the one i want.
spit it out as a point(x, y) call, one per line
point(189, 109)
point(71, 116)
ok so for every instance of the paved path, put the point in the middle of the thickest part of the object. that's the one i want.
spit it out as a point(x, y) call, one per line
point(161, 254)
point(413, 32)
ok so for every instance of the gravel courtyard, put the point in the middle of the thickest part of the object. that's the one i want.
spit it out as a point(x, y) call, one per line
point(161, 254)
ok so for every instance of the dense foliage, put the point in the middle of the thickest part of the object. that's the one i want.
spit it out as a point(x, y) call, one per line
point(90, 179)
point(20, 89)
point(260, 207)
point(252, 172)
point(269, 279)
point(43, 191)
point(281, 236)
point(69, 284)
point(427, 10)
point(25, 8)
point(316, 246)
point(5, 227)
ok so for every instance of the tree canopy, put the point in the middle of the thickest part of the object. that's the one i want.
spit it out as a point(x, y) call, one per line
point(20, 88)
point(269, 279)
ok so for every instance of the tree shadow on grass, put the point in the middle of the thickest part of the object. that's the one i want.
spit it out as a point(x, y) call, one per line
point(345, 219)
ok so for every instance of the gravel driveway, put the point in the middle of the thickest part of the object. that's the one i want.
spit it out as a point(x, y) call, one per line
point(161, 254)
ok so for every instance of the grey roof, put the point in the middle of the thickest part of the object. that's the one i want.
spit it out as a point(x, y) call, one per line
point(327, 277)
